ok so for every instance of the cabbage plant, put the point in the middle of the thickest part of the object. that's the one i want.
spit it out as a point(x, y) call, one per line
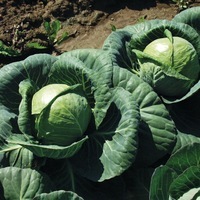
point(60, 116)
point(174, 63)
point(163, 53)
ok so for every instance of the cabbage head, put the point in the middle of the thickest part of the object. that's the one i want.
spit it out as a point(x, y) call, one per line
point(174, 64)
point(61, 116)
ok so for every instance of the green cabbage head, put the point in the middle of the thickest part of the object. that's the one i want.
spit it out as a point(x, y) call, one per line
point(61, 114)
point(171, 65)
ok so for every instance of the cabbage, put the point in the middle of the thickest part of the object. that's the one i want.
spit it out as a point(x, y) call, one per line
point(61, 116)
point(171, 65)
point(180, 55)
point(164, 53)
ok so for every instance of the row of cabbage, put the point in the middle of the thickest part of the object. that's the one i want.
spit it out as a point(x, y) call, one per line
point(120, 122)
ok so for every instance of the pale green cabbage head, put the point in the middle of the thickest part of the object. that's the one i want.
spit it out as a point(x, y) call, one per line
point(173, 64)
point(62, 116)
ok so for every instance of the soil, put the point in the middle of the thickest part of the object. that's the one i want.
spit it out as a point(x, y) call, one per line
point(87, 22)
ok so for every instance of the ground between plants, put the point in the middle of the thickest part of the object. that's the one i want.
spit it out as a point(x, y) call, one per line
point(88, 22)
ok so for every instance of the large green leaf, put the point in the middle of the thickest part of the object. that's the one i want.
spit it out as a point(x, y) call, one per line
point(178, 176)
point(112, 148)
point(6, 123)
point(25, 120)
point(189, 16)
point(23, 184)
point(167, 185)
point(115, 46)
point(185, 139)
point(61, 195)
point(185, 157)
point(8, 127)
point(35, 68)
point(190, 178)
point(22, 158)
point(46, 151)
point(186, 163)
point(122, 145)
point(95, 59)
point(160, 183)
point(93, 69)
point(173, 100)
point(157, 133)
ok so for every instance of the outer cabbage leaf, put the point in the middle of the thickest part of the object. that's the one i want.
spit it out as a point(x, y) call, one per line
point(185, 157)
point(189, 16)
point(17, 156)
point(160, 183)
point(22, 158)
point(93, 69)
point(7, 121)
point(14, 95)
point(46, 151)
point(178, 176)
point(157, 132)
point(189, 179)
point(166, 184)
point(96, 60)
point(35, 68)
point(25, 121)
point(23, 184)
point(61, 195)
point(115, 45)
point(112, 148)
point(185, 162)
point(184, 140)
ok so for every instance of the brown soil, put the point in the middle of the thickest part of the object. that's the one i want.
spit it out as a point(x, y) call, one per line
point(88, 22)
